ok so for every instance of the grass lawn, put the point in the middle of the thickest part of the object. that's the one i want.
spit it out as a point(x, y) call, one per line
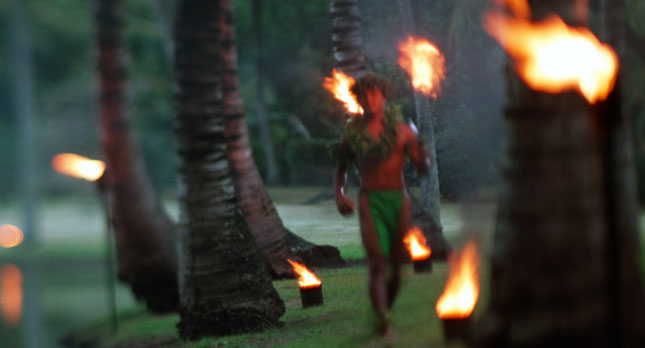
point(345, 319)
point(72, 235)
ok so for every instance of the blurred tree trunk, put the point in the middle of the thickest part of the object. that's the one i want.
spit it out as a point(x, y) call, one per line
point(259, 212)
point(224, 286)
point(163, 10)
point(347, 45)
point(260, 103)
point(145, 236)
point(627, 294)
point(426, 213)
point(563, 273)
point(346, 37)
point(275, 242)
point(23, 103)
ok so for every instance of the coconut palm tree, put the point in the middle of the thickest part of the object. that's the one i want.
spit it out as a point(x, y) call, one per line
point(145, 236)
point(224, 286)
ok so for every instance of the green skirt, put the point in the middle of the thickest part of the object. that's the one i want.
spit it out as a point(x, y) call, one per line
point(385, 207)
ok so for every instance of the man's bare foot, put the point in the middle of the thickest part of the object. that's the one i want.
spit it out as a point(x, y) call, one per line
point(384, 327)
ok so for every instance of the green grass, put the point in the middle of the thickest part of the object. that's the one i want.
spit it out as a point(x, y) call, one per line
point(72, 233)
point(345, 319)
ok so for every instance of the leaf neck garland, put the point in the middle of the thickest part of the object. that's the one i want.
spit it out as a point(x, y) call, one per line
point(362, 144)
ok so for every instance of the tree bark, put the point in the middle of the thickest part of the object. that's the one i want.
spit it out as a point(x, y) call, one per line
point(224, 286)
point(258, 209)
point(145, 236)
point(627, 295)
point(561, 260)
point(426, 212)
point(346, 37)
point(23, 91)
point(260, 103)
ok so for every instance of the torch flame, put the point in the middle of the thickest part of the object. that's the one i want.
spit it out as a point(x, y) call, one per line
point(462, 288)
point(78, 166)
point(551, 56)
point(339, 85)
point(415, 242)
point(424, 63)
point(10, 236)
point(11, 294)
point(306, 278)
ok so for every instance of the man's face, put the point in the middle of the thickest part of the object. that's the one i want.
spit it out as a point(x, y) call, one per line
point(375, 101)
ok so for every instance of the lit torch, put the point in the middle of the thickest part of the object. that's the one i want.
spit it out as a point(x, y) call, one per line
point(10, 236)
point(419, 251)
point(78, 166)
point(339, 85)
point(310, 285)
point(551, 56)
point(11, 294)
point(458, 300)
point(94, 170)
point(424, 63)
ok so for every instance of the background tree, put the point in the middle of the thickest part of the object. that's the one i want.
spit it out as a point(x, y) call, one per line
point(24, 111)
point(347, 40)
point(224, 286)
point(275, 242)
point(563, 266)
point(145, 236)
point(260, 99)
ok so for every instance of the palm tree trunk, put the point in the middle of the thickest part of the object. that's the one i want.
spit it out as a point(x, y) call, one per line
point(258, 209)
point(224, 287)
point(627, 305)
point(562, 218)
point(145, 236)
point(346, 37)
point(260, 103)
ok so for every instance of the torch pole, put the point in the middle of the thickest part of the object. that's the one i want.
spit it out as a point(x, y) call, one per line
point(109, 254)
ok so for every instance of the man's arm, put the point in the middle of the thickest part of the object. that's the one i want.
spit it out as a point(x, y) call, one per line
point(344, 205)
point(416, 151)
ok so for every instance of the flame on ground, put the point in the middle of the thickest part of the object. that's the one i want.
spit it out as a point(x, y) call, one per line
point(306, 278)
point(551, 56)
point(339, 85)
point(415, 242)
point(10, 236)
point(462, 288)
point(78, 166)
point(424, 63)
point(11, 294)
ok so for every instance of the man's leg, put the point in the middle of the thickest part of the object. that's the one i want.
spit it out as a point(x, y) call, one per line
point(377, 263)
point(396, 254)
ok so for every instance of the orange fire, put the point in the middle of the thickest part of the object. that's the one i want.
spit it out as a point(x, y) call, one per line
point(415, 242)
point(424, 63)
point(339, 85)
point(78, 166)
point(306, 278)
point(10, 236)
point(551, 56)
point(11, 294)
point(462, 288)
